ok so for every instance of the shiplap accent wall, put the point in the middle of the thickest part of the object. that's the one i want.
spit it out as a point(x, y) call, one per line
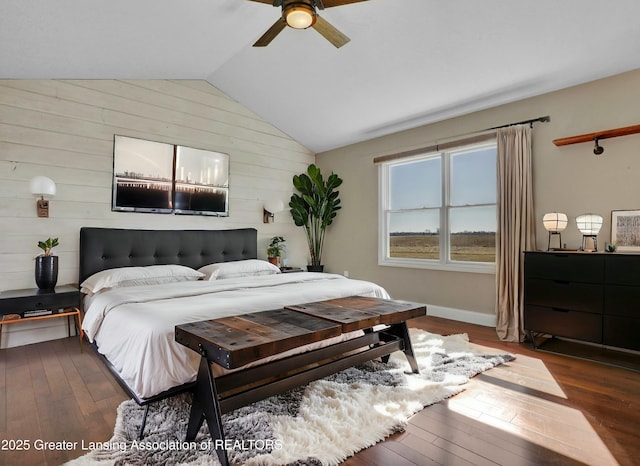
point(64, 129)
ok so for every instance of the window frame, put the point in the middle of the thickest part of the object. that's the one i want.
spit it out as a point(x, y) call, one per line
point(384, 211)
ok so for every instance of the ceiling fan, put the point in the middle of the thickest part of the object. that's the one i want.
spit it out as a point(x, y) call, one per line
point(301, 14)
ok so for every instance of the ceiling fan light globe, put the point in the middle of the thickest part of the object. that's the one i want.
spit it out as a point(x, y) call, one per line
point(300, 17)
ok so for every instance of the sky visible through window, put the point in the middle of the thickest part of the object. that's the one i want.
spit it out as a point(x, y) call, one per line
point(418, 185)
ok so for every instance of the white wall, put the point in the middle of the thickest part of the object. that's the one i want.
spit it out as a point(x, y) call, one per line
point(568, 179)
point(64, 129)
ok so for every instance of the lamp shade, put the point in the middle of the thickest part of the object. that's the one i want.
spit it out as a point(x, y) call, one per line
point(41, 185)
point(589, 224)
point(555, 221)
point(274, 205)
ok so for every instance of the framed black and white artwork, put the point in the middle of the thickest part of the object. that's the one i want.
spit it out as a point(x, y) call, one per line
point(201, 182)
point(625, 230)
point(164, 178)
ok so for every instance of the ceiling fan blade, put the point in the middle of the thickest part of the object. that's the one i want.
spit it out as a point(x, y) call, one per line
point(268, 2)
point(330, 33)
point(271, 33)
point(332, 3)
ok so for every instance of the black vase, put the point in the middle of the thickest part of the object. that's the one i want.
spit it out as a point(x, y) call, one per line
point(46, 272)
point(315, 268)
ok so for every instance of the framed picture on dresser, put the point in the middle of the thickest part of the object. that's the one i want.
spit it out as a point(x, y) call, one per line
point(625, 230)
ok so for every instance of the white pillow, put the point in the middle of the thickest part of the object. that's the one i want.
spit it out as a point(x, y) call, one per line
point(233, 269)
point(132, 276)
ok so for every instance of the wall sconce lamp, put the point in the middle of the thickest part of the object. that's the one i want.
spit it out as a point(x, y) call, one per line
point(42, 186)
point(589, 225)
point(597, 149)
point(555, 223)
point(270, 208)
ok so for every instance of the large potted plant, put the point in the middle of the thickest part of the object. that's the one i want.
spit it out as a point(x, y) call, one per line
point(47, 265)
point(314, 207)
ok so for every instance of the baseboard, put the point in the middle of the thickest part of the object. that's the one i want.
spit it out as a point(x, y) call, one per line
point(462, 315)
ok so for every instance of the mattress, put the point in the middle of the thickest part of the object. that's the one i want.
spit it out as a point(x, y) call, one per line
point(133, 327)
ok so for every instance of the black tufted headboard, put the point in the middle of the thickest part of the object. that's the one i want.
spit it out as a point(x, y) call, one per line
point(107, 248)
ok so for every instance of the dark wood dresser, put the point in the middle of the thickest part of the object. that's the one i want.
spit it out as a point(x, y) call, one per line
point(591, 297)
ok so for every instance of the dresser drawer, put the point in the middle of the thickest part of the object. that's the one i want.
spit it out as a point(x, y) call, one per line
point(564, 323)
point(623, 332)
point(575, 267)
point(566, 295)
point(622, 300)
point(622, 269)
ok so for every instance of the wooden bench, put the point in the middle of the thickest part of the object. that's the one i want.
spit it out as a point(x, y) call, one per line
point(232, 342)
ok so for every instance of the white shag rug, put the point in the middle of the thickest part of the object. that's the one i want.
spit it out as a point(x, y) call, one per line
point(322, 423)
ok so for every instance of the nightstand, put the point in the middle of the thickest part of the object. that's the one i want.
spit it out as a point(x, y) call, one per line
point(35, 304)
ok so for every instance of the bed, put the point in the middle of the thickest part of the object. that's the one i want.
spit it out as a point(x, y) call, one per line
point(132, 324)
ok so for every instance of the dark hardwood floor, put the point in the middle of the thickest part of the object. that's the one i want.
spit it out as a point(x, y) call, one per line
point(539, 409)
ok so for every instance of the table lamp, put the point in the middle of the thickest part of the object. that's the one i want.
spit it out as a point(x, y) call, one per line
point(589, 225)
point(555, 223)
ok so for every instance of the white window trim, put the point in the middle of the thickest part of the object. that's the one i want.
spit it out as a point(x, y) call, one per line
point(383, 226)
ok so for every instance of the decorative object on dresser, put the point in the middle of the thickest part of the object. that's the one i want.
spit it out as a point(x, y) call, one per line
point(35, 304)
point(314, 207)
point(555, 223)
point(589, 225)
point(47, 265)
point(590, 298)
point(625, 230)
point(274, 251)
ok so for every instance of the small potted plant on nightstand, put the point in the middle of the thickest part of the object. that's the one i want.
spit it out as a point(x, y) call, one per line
point(47, 265)
point(274, 251)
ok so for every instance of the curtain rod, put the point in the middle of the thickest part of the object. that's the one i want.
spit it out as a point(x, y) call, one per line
point(461, 139)
point(542, 119)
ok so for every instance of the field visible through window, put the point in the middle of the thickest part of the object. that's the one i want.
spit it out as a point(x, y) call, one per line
point(467, 247)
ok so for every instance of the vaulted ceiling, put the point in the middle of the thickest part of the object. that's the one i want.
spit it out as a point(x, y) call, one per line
point(409, 62)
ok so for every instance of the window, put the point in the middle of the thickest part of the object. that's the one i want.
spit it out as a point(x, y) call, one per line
point(438, 210)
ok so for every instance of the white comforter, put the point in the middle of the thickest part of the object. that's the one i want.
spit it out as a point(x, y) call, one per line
point(134, 326)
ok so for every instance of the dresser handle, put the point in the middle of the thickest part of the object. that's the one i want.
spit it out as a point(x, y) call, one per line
point(557, 309)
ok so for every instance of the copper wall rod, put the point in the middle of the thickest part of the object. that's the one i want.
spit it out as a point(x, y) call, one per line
point(611, 133)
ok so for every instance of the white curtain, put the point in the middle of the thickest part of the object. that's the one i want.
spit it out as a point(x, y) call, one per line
point(516, 227)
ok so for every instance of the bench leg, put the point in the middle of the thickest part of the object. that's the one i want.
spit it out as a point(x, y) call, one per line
point(205, 406)
point(402, 331)
point(144, 422)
